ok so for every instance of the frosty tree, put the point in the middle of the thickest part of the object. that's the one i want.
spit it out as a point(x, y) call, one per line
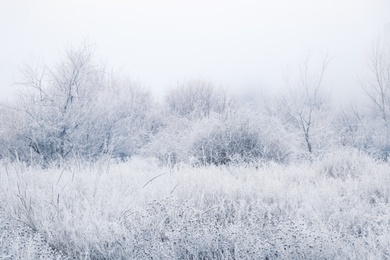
point(196, 99)
point(77, 109)
point(59, 105)
point(377, 87)
point(304, 107)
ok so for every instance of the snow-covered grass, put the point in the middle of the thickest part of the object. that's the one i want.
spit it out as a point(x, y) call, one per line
point(334, 208)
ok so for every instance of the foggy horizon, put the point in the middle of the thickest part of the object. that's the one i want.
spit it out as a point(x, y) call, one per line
point(240, 46)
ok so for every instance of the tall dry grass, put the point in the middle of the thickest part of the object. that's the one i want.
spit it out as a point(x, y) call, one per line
point(334, 208)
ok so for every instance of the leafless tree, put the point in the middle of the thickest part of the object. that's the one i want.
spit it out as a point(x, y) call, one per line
point(377, 86)
point(58, 100)
point(304, 104)
point(78, 109)
point(196, 99)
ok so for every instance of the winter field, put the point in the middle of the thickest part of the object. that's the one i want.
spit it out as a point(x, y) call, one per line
point(333, 208)
point(92, 166)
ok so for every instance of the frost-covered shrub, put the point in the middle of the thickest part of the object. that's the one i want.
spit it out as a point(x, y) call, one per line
point(127, 122)
point(59, 108)
point(240, 135)
point(185, 108)
point(75, 110)
point(367, 133)
point(12, 144)
point(196, 99)
point(171, 143)
point(345, 163)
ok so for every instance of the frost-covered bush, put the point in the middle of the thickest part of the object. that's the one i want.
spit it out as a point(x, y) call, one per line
point(240, 135)
point(196, 99)
point(203, 125)
point(12, 144)
point(171, 142)
point(59, 107)
point(365, 132)
point(345, 163)
point(126, 121)
point(74, 110)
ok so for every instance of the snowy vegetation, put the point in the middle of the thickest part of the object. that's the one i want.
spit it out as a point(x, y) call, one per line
point(334, 208)
point(92, 167)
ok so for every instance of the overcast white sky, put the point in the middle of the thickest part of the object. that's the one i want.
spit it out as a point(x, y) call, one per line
point(241, 44)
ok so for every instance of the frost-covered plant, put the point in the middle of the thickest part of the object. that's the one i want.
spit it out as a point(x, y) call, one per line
point(171, 142)
point(345, 163)
point(365, 132)
point(139, 210)
point(240, 135)
point(75, 110)
point(196, 99)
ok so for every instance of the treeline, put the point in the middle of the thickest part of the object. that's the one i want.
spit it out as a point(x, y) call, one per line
point(77, 110)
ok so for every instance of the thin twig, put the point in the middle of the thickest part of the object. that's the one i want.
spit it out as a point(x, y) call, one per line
point(153, 179)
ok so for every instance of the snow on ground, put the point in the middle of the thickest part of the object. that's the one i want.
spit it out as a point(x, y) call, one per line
point(335, 208)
